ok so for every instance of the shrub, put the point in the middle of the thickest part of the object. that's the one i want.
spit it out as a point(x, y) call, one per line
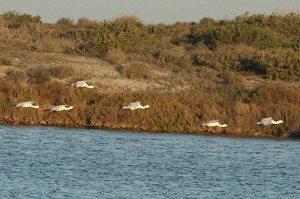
point(175, 55)
point(206, 21)
point(61, 71)
point(118, 34)
point(6, 61)
point(256, 36)
point(129, 19)
point(234, 57)
point(49, 44)
point(278, 64)
point(14, 75)
point(116, 56)
point(65, 21)
point(38, 75)
point(86, 23)
point(138, 70)
point(15, 19)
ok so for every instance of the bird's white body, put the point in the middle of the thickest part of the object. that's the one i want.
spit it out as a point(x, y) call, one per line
point(269, 121)
point(81, 84)
point(135, 105)
point(29, 104)
point(214, 123)
point(61, 108)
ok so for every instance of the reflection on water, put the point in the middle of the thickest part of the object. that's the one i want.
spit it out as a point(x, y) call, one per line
point(46, 162)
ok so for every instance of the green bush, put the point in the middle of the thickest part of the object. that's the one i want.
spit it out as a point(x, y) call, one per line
point(15, 19)
point(111, 35)
point(278, 64)
point(226, 57)
point(256, 36)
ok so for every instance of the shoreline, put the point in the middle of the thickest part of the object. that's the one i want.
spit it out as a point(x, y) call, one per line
point(200, 133)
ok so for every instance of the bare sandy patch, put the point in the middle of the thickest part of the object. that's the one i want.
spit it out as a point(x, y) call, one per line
point(95, 70)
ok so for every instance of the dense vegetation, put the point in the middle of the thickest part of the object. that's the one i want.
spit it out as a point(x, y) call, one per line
point(216, 56)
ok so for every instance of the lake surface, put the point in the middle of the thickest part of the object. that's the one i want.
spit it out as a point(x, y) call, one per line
point(48, 162)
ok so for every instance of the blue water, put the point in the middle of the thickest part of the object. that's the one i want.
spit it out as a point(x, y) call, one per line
point(47, 162)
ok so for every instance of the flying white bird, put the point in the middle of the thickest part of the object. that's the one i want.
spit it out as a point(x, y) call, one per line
point(268, 121)
point(81, 84)
point(135, 105)
point(214, 123)
point(29, 104)
point(61, 108)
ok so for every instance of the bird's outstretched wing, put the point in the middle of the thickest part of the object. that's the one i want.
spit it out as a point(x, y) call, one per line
point(56, 108)
point(20, 104)
point(211, 121)
point(80, 83)
point(134, 103)
point(268, 119)
point(25, 103)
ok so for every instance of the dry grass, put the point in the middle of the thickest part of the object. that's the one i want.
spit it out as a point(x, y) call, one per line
point(128, 19)
point(84, 22)
point(14, 75)
point(116, 56)
point(62, 72)
point(183, 112)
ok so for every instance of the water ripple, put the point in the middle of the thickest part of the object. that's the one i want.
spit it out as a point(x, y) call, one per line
point(46, 162)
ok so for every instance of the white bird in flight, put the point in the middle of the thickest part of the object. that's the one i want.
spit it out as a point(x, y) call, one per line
point(135, 105)
point(214, 123)
point(81, 84)
point(61, 108)
point(29, 104)
point(268, 121)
